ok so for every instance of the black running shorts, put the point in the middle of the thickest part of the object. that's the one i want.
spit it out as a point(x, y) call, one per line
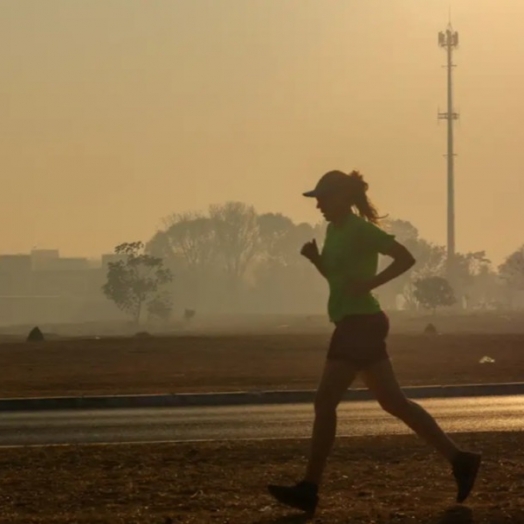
point(360, 340)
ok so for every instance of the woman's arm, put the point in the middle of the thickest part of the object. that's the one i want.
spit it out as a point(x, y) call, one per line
point(403, 260)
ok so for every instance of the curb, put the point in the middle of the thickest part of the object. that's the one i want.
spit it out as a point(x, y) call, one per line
point(243, 398)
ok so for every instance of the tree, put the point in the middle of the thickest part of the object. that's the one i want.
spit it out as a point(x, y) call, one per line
point(237, 244)
point(471, 273)
point(187, 246)
point(159, 246)
point(434, 292)
point(511, 271)
point(274, 232)
point(135, 280)
point(228, 238)
point(511, 274)
point(402, 229)
point(281, 239)
point(237, 236)
point(282, 280)
point(467, 266)
point(161, 307)
point(189, 239)
point(487, 292)
point(212, 251)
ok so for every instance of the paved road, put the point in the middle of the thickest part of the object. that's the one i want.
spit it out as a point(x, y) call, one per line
point(246, 422)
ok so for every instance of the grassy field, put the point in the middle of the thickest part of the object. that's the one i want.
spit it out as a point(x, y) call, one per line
point(369, 480)
point(242, 362)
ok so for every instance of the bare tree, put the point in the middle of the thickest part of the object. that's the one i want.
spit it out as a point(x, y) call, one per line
point(192, 239)
point(274, 230)
point(237, 237)
point(281, 239)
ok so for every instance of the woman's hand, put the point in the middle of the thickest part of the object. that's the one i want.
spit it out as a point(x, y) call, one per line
point(310, 251)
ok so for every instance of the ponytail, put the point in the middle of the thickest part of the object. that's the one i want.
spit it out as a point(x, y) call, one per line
point(360, 200)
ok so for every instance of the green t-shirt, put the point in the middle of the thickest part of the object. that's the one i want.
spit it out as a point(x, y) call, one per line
point(350, 252)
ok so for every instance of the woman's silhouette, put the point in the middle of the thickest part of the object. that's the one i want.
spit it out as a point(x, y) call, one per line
point(349, 261)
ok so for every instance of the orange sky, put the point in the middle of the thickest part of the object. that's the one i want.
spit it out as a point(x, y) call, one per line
point(116, 114)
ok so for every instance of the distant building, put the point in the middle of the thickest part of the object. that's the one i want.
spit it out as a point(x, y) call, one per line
point(94, 263)
point(44, 259)
point(50, 260)
point(15, 263)
point(15, 274)
point(44, 287)
point(71, 264)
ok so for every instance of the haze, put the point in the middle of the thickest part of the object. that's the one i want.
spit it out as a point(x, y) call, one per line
point(118, 113)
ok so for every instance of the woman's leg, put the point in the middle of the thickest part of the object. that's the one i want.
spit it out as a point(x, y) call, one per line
point(381, 380)
point(336, 379)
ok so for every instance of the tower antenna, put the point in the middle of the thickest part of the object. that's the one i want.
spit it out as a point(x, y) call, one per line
point(449, 41)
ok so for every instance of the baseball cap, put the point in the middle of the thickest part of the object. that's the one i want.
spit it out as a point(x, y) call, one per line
point(331, 183)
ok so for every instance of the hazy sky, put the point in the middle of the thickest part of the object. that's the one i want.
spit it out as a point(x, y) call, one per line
point(117, 113)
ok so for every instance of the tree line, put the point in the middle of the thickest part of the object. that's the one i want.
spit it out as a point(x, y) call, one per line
point(233, 259)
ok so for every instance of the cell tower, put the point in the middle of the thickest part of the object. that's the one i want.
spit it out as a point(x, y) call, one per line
point(449, 40)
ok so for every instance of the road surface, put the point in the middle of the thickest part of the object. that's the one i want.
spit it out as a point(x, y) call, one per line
point(246, 422)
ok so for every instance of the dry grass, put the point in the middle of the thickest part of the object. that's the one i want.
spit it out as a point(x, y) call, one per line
point(369, 480)
point(207, 363)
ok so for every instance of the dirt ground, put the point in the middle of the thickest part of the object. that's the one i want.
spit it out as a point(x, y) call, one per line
point(401, 322)
point(369, 480)
point(243, 362)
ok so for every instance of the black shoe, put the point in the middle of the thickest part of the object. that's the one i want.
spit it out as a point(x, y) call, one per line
point(303, 496)
point(465, 469)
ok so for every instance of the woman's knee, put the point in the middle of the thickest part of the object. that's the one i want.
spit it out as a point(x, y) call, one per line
point(398, 406)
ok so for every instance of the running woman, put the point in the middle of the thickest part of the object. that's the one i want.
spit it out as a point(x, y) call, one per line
point(349, 262)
